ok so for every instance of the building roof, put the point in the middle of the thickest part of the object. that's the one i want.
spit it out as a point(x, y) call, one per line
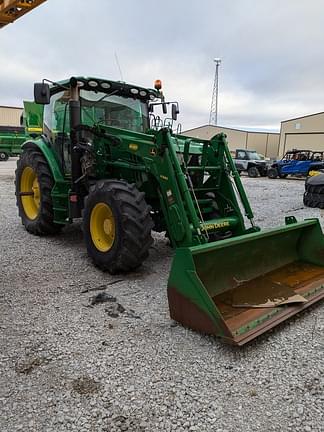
point(301, 117)
point(10, 107)
point(230, 128)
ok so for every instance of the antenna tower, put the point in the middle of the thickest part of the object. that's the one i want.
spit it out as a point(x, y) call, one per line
point(214, 102)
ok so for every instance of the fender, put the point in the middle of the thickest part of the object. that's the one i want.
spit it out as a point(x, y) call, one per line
point(240, 166)
point(49, 155)
point(60, 191)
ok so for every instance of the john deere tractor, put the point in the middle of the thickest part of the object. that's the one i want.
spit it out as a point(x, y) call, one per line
point(106, 156)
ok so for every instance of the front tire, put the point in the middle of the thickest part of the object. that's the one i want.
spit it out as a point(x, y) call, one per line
point(4, 156)
point(272, 173)
point(117, 226)
point(34, 183)
point(253, 172)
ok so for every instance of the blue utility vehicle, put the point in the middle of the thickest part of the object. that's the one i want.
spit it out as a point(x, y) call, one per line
point(297, 163)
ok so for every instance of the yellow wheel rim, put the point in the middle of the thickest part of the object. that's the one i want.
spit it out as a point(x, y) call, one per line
point(30, 187)
point(102, 227)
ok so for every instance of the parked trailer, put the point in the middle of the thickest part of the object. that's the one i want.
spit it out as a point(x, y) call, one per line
point(11, 139)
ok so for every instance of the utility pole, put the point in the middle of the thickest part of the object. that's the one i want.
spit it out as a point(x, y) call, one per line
point(214, 102)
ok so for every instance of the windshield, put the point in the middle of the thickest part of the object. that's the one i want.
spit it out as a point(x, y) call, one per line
point(112, 110)
point(254, 156)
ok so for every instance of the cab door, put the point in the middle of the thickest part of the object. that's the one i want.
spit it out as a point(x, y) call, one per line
point(57, 128)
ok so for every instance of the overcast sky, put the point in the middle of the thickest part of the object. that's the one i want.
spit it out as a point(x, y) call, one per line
point(272, 64)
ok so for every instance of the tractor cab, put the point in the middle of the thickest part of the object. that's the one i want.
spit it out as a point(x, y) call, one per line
point(97, 102)
point(91, 103)
point(102, 102)
point(81, 103)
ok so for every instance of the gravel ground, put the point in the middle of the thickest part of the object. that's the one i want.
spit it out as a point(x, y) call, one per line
point(65, 366)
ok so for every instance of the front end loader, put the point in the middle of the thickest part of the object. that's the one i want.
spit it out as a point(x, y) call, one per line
point(107, 157)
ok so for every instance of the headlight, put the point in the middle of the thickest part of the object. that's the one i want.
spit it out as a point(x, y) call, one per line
point(92, 83)
point(105, 85)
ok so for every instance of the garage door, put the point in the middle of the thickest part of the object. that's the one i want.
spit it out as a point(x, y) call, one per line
point(313, 141)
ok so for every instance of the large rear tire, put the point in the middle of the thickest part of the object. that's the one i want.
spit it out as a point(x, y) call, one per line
point(117, 226)
point(34, 183)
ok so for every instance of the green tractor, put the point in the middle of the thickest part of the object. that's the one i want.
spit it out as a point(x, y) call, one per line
point(106, 156)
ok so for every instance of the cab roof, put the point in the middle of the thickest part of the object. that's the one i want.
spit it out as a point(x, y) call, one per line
point(107, 86)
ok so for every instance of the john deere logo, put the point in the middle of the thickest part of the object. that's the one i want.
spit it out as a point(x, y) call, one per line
point(133, 147)
point(215, 226)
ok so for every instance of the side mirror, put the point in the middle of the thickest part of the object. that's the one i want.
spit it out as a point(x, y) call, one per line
point(174, 111)
point(164, 108)
point(42, 94)
point(21, 120)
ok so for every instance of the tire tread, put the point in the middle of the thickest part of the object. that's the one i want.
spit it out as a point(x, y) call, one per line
point(44, 224)
point(136, 220)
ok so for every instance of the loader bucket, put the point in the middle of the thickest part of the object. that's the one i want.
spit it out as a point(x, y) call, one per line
point(240, 287)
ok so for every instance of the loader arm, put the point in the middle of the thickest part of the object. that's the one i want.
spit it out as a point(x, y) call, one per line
point(164, 157)
point(239, 285)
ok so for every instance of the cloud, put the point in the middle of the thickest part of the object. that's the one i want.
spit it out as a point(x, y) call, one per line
point(271, 64)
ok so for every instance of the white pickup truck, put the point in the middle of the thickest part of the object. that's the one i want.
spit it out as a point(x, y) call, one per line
point(251, 162)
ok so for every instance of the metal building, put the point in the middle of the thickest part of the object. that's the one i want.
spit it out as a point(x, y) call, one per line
point(265, 143)
point(303, 133)
point(10, 116)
